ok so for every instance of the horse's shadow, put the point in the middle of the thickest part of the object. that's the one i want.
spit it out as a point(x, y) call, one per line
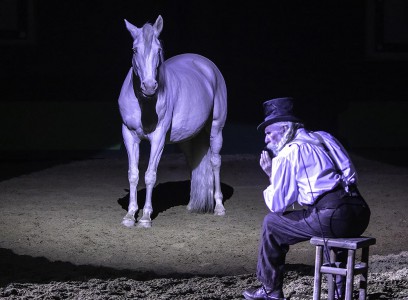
point(169, 194)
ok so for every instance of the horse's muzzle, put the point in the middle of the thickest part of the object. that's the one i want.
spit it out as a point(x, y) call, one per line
point(149, 87)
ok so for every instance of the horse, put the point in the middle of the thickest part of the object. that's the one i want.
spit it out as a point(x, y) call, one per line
point(181, 100)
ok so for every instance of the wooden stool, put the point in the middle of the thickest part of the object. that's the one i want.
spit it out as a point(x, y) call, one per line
point(351, 269)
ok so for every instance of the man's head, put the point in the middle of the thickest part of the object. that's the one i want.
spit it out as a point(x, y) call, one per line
point(278, 110)
point(280, 124)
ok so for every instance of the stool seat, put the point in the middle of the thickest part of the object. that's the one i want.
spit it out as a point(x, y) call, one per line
point(331, 268)
point(345, 243)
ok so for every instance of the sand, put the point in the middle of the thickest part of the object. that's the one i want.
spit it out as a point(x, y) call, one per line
point(61, 235)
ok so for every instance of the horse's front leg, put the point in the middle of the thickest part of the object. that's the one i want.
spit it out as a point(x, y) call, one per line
point(132, 146)
point(156, 150)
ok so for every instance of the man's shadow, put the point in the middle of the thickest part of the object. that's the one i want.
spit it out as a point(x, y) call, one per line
point(169, 194)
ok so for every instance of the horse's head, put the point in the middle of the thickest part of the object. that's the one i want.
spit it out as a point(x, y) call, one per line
point(147, 54)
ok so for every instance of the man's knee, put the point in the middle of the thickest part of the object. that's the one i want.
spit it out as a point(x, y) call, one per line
point(271, 221)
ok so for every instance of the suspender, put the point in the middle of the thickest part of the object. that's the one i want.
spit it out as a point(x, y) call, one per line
point(350, 189)
point(319, 137)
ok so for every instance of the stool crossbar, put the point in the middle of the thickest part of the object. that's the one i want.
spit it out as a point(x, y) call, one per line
point(352, 268)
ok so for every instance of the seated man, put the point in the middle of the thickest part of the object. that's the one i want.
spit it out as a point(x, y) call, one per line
point(314, 170)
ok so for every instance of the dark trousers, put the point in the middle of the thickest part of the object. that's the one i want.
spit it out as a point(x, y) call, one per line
point(336, 214)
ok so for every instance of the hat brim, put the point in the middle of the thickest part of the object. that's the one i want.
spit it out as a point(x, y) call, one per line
point(278, 119)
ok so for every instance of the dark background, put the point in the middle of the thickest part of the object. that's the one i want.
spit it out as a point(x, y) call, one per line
point(62, 64)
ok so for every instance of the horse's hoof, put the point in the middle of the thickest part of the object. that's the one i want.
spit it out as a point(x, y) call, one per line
point(128, 223)
point(219, 211)
point(144, 224)
point(129, 220)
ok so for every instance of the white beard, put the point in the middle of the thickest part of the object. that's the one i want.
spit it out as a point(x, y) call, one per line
point(276, 147)
point(286, 137)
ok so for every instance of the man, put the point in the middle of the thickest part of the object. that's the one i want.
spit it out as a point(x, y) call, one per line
point(314, 170)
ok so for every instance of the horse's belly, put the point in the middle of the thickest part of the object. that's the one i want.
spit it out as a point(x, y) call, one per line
point(184, 127)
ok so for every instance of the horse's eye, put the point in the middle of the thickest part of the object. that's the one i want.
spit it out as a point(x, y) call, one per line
point(134, 50)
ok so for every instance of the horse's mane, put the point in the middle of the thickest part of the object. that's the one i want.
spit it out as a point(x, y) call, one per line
point(162, 50)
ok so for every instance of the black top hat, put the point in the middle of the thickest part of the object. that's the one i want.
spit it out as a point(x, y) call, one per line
point(278, 110)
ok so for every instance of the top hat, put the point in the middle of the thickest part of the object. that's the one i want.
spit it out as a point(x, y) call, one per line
point(278, 110)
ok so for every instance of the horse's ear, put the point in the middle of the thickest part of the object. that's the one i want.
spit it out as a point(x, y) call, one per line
point(134, 31)
point(158, 25)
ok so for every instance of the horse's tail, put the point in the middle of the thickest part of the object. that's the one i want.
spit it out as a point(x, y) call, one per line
point(202, 185)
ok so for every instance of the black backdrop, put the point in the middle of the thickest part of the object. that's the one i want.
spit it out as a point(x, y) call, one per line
point(314, 51)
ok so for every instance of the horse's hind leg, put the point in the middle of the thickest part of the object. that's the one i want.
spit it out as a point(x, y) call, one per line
point(215, 145)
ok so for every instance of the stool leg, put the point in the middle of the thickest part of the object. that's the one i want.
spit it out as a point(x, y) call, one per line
point(330, 277)
point(364, 275)
point(350, 274)
point(318, 276)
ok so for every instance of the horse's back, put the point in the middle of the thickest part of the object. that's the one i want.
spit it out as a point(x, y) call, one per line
point(188, 62)
point(197, 89)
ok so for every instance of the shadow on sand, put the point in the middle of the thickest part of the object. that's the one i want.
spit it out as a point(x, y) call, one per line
point(27, 269)
point(169, 194)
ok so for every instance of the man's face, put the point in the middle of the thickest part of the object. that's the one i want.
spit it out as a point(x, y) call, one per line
point(273, 135)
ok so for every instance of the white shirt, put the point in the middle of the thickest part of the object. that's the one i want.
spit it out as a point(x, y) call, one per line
point(303, 170)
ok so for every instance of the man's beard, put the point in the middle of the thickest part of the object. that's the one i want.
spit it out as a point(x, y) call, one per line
point(288, 136)
point(275, 148)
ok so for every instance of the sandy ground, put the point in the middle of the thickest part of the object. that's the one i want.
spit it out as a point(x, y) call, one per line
point(61, 235)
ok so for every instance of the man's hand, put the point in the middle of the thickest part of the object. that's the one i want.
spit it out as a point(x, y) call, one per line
point(266, 163)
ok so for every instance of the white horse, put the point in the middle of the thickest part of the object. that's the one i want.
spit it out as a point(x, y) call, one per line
point(181, 100)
